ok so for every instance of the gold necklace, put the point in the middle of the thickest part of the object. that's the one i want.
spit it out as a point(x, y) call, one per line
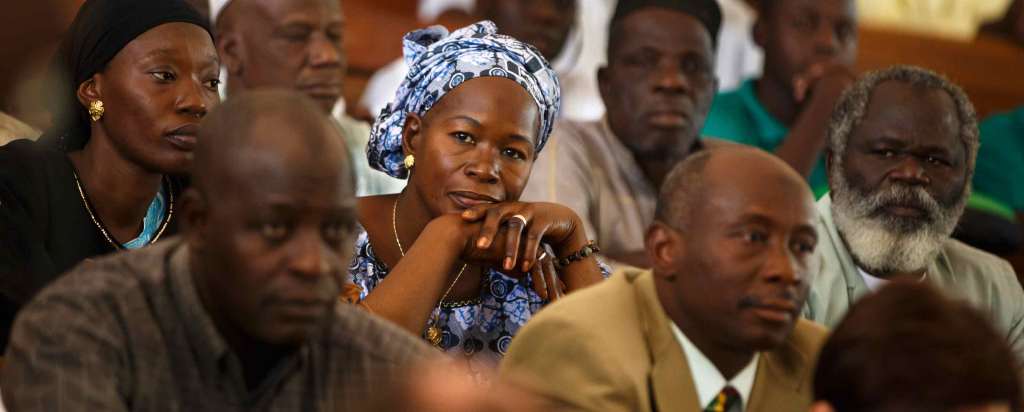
point(103, 229)
point(433, 333)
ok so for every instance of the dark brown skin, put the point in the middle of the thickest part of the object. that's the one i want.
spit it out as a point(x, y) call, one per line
point(741, 266)
point(473, 151)
point(545, 24)
point(657, 87)
point(294, 44)
point(158, 86)
point(271, 227)
point(809, 48)
point(908, 136)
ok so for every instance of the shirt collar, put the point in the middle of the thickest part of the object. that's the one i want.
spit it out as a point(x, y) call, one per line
point(768, 127)
point(874, 282)
point(706, 377)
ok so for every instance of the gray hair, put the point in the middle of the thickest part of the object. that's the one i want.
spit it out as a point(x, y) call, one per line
point(852, 105)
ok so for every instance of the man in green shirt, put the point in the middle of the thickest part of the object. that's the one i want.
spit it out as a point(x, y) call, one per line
point(901, 153)
point(809, 49)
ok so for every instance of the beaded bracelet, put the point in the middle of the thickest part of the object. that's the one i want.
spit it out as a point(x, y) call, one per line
point(590, 249)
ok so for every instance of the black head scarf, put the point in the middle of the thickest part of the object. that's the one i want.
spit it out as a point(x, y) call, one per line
point(100, 30)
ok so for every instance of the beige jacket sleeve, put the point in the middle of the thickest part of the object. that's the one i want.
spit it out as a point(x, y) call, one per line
point(562, 362)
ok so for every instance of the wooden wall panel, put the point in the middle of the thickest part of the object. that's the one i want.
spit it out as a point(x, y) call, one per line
point(989, 69)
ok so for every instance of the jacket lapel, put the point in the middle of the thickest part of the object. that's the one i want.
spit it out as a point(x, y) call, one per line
point(780, 378)
point(670, 381)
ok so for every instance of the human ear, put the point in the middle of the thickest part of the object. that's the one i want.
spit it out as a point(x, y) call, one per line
point(90, 90)
point(760, 32)
point(411, 133)
point(602, 83)
point(665, 247)
point(232, 56)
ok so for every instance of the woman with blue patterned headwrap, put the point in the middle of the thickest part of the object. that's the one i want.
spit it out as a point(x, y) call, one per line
point(455, 256)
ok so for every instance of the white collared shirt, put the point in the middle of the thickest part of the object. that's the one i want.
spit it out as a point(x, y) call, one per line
point(706, 377)
point(874, 282)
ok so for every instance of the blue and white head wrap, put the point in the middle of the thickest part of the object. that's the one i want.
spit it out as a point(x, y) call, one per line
point(439, 62)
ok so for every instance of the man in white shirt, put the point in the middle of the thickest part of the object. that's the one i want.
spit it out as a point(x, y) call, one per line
point(295, 44)
point(715, 326)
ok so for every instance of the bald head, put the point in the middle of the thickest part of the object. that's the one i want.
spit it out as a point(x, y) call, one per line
point(726, 168)
point(295, 44)
point(268, 132)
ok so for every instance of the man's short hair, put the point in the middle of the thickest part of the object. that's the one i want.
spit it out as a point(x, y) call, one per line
point(852, 106)
point(707, 12)
point(908, 348)
point(682, 188)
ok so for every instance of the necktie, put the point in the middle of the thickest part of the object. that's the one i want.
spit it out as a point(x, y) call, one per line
point(728, 400)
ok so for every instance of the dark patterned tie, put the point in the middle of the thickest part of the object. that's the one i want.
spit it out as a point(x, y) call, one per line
point(728, 400)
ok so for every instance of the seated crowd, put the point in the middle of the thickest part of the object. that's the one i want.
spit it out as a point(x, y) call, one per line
point(790, 245)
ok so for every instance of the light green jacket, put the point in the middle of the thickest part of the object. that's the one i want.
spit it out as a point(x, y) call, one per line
point(984, 280)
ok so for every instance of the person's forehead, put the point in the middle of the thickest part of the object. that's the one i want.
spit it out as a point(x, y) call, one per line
point(280, 11)
point(175, 39)
point(665, 29)
point(487, 94)
point(833, 9)
point(900, 110)
point(744, 187)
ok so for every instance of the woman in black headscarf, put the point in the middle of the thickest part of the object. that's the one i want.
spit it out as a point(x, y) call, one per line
point(140, 75)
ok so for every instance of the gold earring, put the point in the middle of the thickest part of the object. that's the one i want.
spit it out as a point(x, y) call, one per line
point(409, 161)
point(96, 110)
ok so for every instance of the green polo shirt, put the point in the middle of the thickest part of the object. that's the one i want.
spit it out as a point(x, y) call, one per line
point(999, 175)
point(738, 116)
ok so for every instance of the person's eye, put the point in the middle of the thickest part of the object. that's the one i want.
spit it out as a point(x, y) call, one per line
point(296, 35)
point(163, 76)
point(334, 36)
point(642, 60)
point(274, 231)
point(212, 84)
point(695, 65)
point(463, 137)
point(803, 247)
point(804, 23)
point(514, 154)
point(755, 236)
point(938, 161)
point(886, 153)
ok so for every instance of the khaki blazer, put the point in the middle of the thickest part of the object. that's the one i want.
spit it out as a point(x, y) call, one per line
point(610, 348)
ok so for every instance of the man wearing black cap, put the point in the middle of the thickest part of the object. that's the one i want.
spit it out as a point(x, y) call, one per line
point(657, 86)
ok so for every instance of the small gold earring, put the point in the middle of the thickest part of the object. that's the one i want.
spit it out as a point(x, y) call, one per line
point(96, 110)
point(409, 161)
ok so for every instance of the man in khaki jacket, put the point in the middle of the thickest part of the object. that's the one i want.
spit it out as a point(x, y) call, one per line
point(715, 326)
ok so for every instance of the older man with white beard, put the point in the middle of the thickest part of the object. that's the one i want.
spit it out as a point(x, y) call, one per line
point(901, 152)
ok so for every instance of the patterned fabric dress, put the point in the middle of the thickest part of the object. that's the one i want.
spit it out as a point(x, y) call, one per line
point(479, 333)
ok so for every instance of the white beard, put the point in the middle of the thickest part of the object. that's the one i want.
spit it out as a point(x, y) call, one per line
point(883, 244)
point(881, 250)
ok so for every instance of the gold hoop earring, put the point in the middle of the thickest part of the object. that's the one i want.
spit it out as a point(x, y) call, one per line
point(96, 110)
point(409, 161)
